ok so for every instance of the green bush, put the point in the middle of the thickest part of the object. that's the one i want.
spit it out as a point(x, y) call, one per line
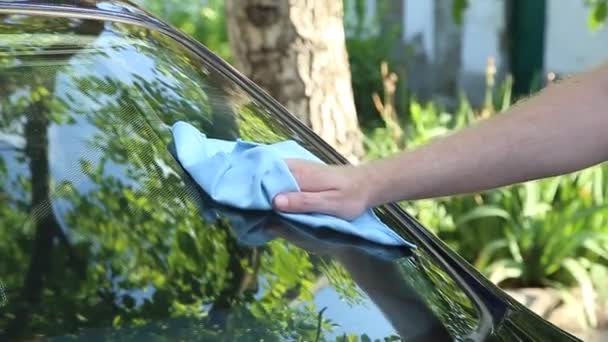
point(365, 55)
point(367, 48)
point(552, 232)
point(205, 21)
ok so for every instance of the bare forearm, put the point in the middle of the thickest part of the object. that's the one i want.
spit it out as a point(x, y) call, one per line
point(559, 131)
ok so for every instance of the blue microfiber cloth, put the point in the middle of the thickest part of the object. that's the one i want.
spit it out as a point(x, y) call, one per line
point(247, 175)
point(257, 228)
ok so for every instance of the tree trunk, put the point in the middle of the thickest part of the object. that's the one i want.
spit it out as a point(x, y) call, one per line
point(295, 50)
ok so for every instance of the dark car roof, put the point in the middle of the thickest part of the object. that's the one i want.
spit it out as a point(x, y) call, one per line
point(116, 8)
point(107, 236)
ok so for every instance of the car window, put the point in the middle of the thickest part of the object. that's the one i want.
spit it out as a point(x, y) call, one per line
point(103, 234)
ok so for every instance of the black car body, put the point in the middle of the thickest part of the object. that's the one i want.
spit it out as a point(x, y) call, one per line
point(103, 236)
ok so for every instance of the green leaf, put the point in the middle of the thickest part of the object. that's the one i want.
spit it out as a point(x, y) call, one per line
point(488, 251)
point(458, 8)
point(187, 244)
point(578, 272)
point(598, 245)
point(483, 212)
point(513, 244)
point(116, 321)
point(86, 166)
point(598, 14)
point(584, 214)
point(598, 185)
point(504, 269)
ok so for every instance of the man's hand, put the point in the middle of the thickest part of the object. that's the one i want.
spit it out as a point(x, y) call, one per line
point(340, 191)
point(561, 130)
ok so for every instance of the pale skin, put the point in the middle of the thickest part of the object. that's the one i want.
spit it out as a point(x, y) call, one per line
point(561, 130)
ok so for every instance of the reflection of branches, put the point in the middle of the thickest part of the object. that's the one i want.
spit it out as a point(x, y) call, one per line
point(138, 210)
point(319, 323)
point(11, 142)
point(47, 227)
point(241, 282)
point(35, 147)
point(442, 295)
point(8, 148)
point(402, 305)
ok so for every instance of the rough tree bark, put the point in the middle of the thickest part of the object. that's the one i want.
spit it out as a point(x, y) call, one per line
point(295, 50)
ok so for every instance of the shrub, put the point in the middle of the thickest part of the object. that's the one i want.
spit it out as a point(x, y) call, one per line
point(205, 21)
point(552, 232)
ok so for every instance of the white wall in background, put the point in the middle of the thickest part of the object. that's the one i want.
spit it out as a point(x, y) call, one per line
point(570, 46)
point(418, 24)
point(484, 22)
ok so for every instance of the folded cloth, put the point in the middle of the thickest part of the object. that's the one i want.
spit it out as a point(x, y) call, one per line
point(257, 228)
point(248, 175)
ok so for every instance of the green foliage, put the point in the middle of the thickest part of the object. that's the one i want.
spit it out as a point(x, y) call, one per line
point(598, 13)
point(344, 285)
point(365, 55)
point(367, 49)
point(458, 8)
point(204, 21)
point(552, 232)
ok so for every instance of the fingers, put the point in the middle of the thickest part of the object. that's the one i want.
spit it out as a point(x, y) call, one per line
point(312, 176)
point(303, 202)
point(324, 189)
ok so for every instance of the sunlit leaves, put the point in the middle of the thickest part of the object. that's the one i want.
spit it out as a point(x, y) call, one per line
point(458, 8)
point(204, 21)
point(255, 125)
point(597, 14)
point(341, 282)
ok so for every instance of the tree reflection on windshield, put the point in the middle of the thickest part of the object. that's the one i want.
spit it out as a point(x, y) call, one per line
point(103, 235)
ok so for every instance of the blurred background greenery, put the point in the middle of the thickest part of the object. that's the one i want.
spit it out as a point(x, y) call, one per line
point(550, 233)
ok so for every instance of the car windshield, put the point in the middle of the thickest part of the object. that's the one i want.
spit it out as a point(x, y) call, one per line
point(104, 235)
